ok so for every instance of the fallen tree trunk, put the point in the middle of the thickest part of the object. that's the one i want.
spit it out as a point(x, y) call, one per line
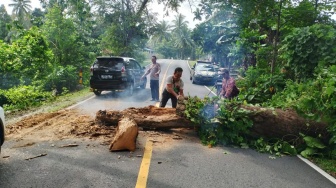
point(285, 124)
point(150, 117)
point(267, 123)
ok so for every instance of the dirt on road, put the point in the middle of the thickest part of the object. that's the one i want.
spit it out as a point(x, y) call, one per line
point(69, 124)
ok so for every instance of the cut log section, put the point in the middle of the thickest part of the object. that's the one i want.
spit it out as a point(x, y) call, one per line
point(125, 137)
point(150, 117)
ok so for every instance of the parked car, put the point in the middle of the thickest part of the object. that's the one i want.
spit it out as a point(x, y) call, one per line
point(203, 72)
point(2, 127)
point(116, 73)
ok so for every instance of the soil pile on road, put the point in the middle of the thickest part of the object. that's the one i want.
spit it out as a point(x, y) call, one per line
point(70, 124)
point(56, 126)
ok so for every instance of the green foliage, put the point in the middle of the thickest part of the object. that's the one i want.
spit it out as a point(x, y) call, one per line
point(5, 19)
point(124, 39)
point(3, 98)
point(23, 97)
point(61, 79)
point(307, 48)
point(274, 146)
point(64, 39)
point(315, 99)
point(30, 50)
point(167, 49)
point(221, 121)
point(313, 146)
point(26, 60)
point(258, 86)
point(234, 122)
point(287, 98)
point(193, 111)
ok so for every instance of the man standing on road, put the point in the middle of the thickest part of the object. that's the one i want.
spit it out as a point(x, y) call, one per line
point(154, 72)
point(174, 88)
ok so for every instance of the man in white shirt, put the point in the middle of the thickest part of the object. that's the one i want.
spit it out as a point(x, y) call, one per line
point(173, 89)
point(154, 72)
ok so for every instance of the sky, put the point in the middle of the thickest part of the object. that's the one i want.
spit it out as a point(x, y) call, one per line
point(185, 9)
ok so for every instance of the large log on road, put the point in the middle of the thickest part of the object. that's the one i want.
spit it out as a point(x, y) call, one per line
point(150, 117)
point(267, 123)
point(285, 124)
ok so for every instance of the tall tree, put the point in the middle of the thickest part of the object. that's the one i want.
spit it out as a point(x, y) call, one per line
point(62, 37)
point(21, 9)
point(4, 20)
point(182, 35)
point(162, 31)
point(37, 17)
point(127, 32)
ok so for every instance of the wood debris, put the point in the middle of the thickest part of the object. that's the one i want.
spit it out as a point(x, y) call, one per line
point(41, 155)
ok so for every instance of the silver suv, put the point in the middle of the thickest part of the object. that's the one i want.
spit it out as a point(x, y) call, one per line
point(2, 127)
point(116, 73)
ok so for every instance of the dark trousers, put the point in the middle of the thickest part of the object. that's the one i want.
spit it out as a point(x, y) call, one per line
point(154, 85)
point(165, 97)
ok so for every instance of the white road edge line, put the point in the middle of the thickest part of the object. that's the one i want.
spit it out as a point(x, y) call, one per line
point(210, 90)
point(319, 170)
point(73, 106)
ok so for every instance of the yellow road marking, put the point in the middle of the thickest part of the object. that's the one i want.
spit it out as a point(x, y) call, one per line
point(163, 84)
point(144, 168)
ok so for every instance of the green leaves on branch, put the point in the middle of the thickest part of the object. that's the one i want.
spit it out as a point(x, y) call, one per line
point(27, 57)
point(274, 146)
point(23, 97)
point(221, 121)
point(307, 48)
point(314, 99)
point(258, 85)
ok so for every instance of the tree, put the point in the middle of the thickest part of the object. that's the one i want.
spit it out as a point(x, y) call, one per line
point(4, 20)
point(307, 48)
point(28, 57)
point(181, 35)
point(62, 37)
point(37, 17)
point(126, 32)
point(162, 32)
point(21, 9)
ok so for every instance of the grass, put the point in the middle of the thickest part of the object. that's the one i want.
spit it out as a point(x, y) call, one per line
point(328, 165)
point(69, 99)
point(60, 102)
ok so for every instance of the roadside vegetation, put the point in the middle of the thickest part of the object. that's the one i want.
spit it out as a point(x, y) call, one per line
point(284, 50)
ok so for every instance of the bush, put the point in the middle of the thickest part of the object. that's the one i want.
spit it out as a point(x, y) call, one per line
point(221, 121)
point(258, 86)
point(314, 99)
point(62, 77)
point(23, 97)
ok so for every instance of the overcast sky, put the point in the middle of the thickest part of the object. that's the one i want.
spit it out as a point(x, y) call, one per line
point(185, 9)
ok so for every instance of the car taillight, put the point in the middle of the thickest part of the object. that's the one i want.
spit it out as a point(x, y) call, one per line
point(123, 69)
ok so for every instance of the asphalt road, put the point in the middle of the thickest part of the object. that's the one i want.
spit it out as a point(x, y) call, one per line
point(172, 163)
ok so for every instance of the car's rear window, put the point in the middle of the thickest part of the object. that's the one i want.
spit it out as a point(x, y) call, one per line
point(204, 67)
point(116, 63)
